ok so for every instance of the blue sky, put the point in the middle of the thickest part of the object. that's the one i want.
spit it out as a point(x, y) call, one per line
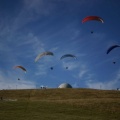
point(30, 27)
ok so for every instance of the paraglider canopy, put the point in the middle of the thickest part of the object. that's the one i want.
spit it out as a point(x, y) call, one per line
point(68, 55)
point(89, 18)
point(43, 54)
point(112, 47)
point(21, 67)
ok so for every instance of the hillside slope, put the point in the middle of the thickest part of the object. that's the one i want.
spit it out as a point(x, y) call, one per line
point(59, 104)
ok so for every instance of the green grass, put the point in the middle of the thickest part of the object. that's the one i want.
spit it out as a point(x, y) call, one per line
point(60, 104)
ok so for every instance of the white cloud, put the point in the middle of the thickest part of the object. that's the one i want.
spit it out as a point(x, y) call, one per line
point(16, 85)
point(8, 80)
point(31, 11)
point(34, 42)
point(83, 71)
point(111, 84)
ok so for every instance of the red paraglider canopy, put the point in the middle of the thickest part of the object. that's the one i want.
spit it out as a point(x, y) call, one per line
point(88, 18)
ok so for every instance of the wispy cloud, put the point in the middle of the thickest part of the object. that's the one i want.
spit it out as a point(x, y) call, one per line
point(9, 80)
point(37, 7)
point(83, 71)
point(110, 84)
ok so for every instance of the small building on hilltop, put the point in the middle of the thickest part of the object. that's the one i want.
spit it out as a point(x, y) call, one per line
point(65, 85)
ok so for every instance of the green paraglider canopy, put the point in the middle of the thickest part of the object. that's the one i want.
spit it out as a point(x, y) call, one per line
point(68, 55)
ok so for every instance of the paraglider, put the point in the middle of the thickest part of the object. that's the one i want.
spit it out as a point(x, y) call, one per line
point(91, 32)
point(66, 67)
point(43, 54)
point(92, 18)
point(68, 55)
point(51, 68)
point(112, 47)
point(89, 18)
point(21, 67)
point(114, 62)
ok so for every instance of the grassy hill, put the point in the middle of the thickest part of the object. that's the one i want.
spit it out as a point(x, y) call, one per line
point(60, 104)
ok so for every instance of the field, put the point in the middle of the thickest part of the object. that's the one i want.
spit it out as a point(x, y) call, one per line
point(60, 104)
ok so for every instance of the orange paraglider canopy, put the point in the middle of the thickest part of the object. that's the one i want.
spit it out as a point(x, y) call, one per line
point(21, 67)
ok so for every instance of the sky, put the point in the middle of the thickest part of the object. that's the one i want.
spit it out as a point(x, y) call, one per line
point(31, 27)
